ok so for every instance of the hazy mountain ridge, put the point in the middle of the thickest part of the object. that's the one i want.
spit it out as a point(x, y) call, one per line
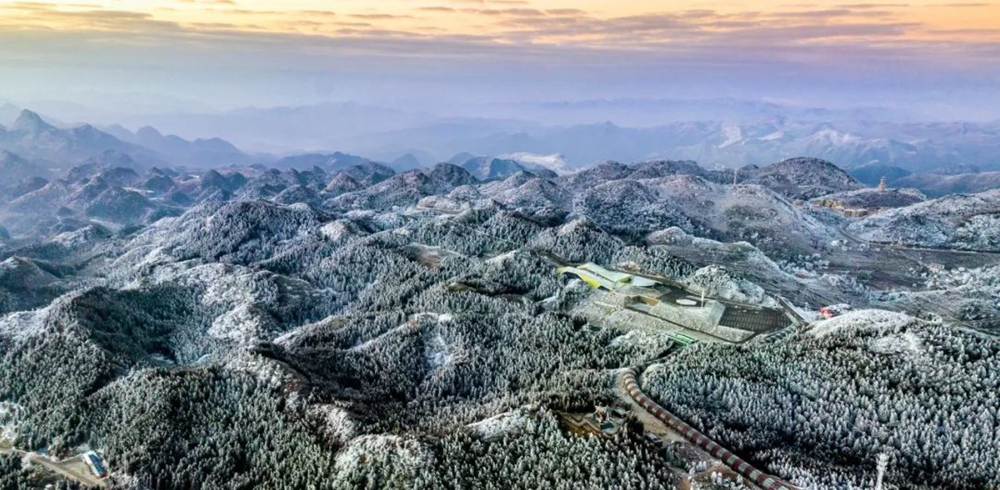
point(32, 137)
point(212, 152)
point(867, 149)
point(915, 147)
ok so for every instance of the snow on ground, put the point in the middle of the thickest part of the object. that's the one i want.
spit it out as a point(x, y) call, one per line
point(383, 337)
point(504, 257)
point(336, 231)
point(265, 370)
point(573, 226)
point(441, 203)
point(10, 419)
point(777, 135)
point(554, 162)
point(642, 339)
point(717, 282)
point(24, 325)
point(437, 352)
point(504, 423)
point(898, 344)
point(960, 221)
point(834, 137)
point(244, 324)
point(77, 237)
point(404, 455)
point(861, 319)
point(957, 294)
point(745, 253)
point(336, 422)
point(732, 134)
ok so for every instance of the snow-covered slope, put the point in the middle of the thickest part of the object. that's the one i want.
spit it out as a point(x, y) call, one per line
point(962, 222)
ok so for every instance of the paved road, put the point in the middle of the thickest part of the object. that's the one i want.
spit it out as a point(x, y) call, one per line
point(649, 422)
point(763, 480)
point(901, 248)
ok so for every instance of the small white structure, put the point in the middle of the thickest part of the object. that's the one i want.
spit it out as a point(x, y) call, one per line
point(883, 464)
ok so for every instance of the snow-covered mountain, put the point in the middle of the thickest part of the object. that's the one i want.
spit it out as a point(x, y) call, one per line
point(32, 137)
point(938, 185)
point(915, 147)
point(800, 178)
point(202, 153)
point(555, 162)
point(964, 222)
point(15, 169)
point(487, 168)
point(335, 317)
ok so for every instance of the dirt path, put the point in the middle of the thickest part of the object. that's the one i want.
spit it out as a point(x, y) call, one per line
point(83, 478)
point(58, 467)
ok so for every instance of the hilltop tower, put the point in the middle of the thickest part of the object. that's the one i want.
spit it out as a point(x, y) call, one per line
point(883, 464)
point(881, 183)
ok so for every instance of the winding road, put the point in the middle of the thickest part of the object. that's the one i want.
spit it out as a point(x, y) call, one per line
point(627, 380)
point(901, 248)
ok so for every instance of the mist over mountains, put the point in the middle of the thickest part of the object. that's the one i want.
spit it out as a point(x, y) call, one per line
point(714, 132)
point(935, 157)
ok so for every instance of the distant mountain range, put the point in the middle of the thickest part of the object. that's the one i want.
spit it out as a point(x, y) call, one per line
point(935, 158)
point(32, 137)
point(54, 148)
point(326, 317)
point(210, 152)
point(716, 132)
point(650, 112)
point(913, 147)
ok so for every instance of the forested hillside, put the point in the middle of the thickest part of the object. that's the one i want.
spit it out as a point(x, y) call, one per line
point(357, 328)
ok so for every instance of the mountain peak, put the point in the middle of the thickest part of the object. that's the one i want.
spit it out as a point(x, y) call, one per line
point(148, 132)
point(30, 122)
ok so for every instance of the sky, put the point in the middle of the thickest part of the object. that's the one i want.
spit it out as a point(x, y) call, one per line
point(464, 56)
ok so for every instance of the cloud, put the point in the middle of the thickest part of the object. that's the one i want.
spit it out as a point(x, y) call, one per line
point(561, 12)
point(210, 2)
point(869, 6)
point(494, 2)
point(451, 50)
point(26, 16)
point(515, 35)
point(380, 16)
